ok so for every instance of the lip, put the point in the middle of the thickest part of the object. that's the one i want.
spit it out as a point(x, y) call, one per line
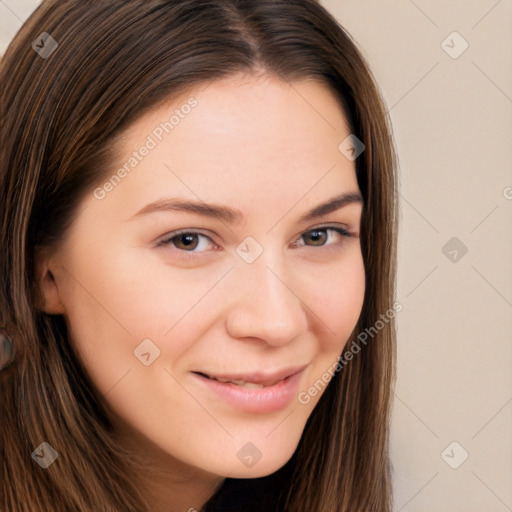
point(255, 400)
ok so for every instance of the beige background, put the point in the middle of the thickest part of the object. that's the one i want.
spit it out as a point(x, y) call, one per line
point(453, 128)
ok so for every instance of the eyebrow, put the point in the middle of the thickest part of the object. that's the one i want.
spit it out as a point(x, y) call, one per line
point(234, 216)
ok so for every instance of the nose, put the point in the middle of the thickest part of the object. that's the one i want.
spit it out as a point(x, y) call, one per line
point(264, 304)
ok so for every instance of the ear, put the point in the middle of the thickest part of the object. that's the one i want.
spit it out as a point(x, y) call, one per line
point(48, 296)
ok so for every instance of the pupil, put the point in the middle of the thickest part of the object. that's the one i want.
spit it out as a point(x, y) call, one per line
point(188, 240)
point(315, 235)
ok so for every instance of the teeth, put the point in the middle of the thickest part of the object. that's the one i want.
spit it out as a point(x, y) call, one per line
point(243, 384)
point(221, 379)
point(249, 385)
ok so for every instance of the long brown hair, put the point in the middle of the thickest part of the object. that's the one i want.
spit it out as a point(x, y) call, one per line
point(61, 108)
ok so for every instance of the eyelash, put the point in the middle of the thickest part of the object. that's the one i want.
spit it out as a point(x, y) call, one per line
point(190, 254)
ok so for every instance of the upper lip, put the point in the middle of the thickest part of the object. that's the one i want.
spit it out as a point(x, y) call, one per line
point(263, 378)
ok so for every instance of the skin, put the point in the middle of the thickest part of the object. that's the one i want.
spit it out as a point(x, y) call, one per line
point(271, 150)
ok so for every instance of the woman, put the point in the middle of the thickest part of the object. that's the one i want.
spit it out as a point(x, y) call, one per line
point(139, 374)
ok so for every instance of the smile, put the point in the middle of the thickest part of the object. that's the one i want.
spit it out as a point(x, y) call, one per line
point(254, 392)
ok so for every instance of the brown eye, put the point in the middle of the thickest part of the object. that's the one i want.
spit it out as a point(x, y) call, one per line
point(319, 236)
point(185, 241)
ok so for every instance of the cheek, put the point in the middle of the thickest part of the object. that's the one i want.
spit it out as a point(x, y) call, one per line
point(107, 315)
point(338, 305)
point(152, 296)
point(336, 298)
point(102, 342)
point(121, 302)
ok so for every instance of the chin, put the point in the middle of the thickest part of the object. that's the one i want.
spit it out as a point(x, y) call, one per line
point(258, 471)
point(252, 463)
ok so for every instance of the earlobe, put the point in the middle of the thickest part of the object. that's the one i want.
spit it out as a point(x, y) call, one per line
point(48, 297)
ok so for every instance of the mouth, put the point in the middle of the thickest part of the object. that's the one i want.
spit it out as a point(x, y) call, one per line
point(254, 393)
point(253, 380)
point(241, 383)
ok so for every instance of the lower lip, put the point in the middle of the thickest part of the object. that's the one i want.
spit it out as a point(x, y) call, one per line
point(262, 400)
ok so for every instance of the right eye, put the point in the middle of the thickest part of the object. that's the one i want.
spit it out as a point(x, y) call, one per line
point(186, 241)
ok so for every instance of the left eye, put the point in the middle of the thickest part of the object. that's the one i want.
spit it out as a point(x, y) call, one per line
point(315, 234)
point(187, 241)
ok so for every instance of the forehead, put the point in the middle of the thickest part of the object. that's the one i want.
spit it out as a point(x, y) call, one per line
point(242, 139)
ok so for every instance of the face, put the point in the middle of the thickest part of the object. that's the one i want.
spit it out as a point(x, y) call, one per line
point(166, 301)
